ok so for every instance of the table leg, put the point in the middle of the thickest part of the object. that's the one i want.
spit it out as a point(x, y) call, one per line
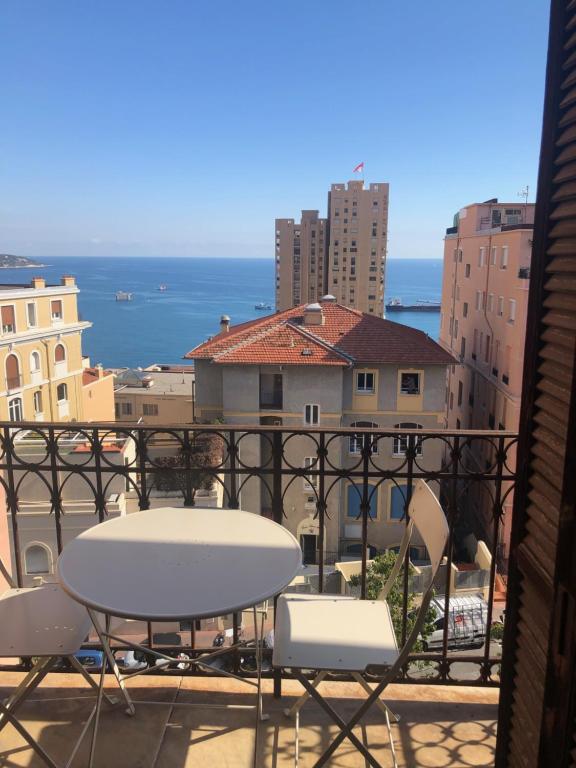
point(112, 661)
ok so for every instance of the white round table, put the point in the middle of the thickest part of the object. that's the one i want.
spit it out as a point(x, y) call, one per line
point(170, 564)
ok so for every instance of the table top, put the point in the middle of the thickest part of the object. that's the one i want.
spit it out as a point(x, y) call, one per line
point(171, 563)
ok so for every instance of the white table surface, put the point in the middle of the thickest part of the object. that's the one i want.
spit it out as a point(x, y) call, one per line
point(170, 563)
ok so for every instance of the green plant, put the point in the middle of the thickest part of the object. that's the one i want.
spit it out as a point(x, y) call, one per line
point(376, 577)
point(497, 631)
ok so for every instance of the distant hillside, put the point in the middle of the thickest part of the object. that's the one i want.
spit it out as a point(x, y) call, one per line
point(7, 261)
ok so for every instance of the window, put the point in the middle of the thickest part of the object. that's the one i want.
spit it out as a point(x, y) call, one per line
point(126, 408)
point(356, 441)
point(504, 257)
point(8, 319)
point(494, 254)
point(490, 302)
point(37, 560)
point(465, 309)
point(410, 383)
point(500, 305)
point(462, 347)
point(15, 412)
point(478, 300)
point(310, 481)
point(13, 379)
point(62, 392)
point(398, 496)
point(354, 498)
point(149, 409)
point(482, 257)
point(467, 270)
point(35, 362)
point(512, 311)
point(455, 329)
point(59, 353)
point(38, 402)
point(365, 382)
point(31, 314)
point(271, 390)
point(460, 387)
point(56, 309)
point(311, 414)
point(487, 350)
point(401, 442)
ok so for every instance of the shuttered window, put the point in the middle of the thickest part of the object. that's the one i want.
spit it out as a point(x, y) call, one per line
point(8, 319)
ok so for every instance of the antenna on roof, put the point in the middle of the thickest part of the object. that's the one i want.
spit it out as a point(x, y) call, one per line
point(524, 193)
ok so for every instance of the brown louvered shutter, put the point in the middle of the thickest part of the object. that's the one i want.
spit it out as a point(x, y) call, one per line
point(537, 706)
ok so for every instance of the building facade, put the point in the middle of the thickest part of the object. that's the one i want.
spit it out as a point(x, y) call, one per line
point(158, 394)
point(344, 255)
point(97, 393)
point(325, 365)
point(483, 323)
point(41, 352)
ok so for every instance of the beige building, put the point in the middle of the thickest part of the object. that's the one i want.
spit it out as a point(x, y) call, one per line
point(344, 255)
point(325, 365)
point(358, 220)
point(300, 259)
point(41, 352)
point(483, 323)
point(97, 393)
point(158, 394)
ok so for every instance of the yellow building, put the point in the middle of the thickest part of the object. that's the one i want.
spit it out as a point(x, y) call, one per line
point(41, 352)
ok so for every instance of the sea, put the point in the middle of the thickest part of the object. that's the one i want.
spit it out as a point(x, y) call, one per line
point(161, 326)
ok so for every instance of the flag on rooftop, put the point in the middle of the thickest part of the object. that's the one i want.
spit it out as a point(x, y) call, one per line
point(359, 168)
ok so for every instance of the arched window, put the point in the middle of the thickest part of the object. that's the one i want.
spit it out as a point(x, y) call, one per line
point(37, 560)
point(12, 372)
point(38, 402)
point(355, 445)
point(401, 442)
point(59, 353)
point(62, 392)
point(15, 412)
point(35, 366)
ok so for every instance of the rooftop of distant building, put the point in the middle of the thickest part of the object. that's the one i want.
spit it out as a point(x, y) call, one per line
point(155, 379)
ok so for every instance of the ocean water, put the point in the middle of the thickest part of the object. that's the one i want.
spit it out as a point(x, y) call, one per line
point(162, 326)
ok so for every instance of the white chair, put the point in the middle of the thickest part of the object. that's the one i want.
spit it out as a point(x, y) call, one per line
point(45, 624)
point(333, 633)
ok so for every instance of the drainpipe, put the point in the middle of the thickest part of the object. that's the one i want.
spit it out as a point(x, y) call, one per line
point(50, 402)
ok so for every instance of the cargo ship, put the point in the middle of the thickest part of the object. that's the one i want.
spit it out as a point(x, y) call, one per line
point(396, 305)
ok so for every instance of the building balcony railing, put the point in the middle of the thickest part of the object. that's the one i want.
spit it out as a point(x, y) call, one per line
point(303, 478)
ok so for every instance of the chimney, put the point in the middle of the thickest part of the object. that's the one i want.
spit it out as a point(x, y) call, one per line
point(313, 314)
point(68, 280)
point(224, 324)
point(100, 371)
point(38, 282)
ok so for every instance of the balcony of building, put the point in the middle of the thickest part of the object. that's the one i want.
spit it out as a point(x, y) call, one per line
point(60, 481)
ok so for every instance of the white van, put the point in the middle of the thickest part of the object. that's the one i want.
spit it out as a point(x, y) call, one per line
point(467, 617)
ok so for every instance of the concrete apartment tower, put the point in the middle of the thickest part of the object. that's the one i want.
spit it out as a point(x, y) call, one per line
point(358, 220)
point(300, 260)
point(483, 323)
point(343, 255)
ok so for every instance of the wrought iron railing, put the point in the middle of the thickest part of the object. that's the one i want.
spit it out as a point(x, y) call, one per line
point(77, 475)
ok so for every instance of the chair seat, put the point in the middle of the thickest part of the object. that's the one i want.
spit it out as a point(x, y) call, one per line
point(41, 621)
point(333, 633)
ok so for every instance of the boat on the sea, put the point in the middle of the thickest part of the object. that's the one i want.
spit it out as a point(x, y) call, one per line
point(422, 305)
point(124, 296)
point(162, 287)
point(262, 305)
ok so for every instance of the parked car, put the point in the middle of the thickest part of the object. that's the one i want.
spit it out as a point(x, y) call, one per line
point(466, 617)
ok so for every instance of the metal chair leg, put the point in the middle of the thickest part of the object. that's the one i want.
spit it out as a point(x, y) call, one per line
point(89, 679)
point(386, 711)
point(10, 718)
point(297, 706)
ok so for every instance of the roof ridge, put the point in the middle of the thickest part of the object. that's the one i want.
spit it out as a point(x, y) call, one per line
point(322, 342)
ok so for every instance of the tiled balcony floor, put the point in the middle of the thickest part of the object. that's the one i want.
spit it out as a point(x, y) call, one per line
point(440, 726)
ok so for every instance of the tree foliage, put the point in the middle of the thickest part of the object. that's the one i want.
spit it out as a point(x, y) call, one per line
point(377, 575)
point(196, 465)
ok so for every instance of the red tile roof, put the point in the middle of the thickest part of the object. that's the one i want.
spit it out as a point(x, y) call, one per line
point(90, 375)
point(346, 337)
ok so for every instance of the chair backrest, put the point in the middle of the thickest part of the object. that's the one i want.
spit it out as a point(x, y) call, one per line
point(429, 518)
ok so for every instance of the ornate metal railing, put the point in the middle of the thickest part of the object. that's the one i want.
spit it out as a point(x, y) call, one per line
point(65, 477)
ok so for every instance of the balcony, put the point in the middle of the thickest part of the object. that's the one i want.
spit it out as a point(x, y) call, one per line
point(59, 482)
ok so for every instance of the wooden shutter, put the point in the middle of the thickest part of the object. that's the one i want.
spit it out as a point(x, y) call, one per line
point(8, 316)
point(536, 719)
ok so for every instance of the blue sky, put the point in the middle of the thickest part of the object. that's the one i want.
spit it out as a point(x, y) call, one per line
point(177, 128)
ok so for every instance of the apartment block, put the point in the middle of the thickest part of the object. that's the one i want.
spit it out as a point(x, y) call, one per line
point(300, 259)
point(343, 255)
point(486, 278)
point(41, 367)
point(358, 220)
point(325, 365)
